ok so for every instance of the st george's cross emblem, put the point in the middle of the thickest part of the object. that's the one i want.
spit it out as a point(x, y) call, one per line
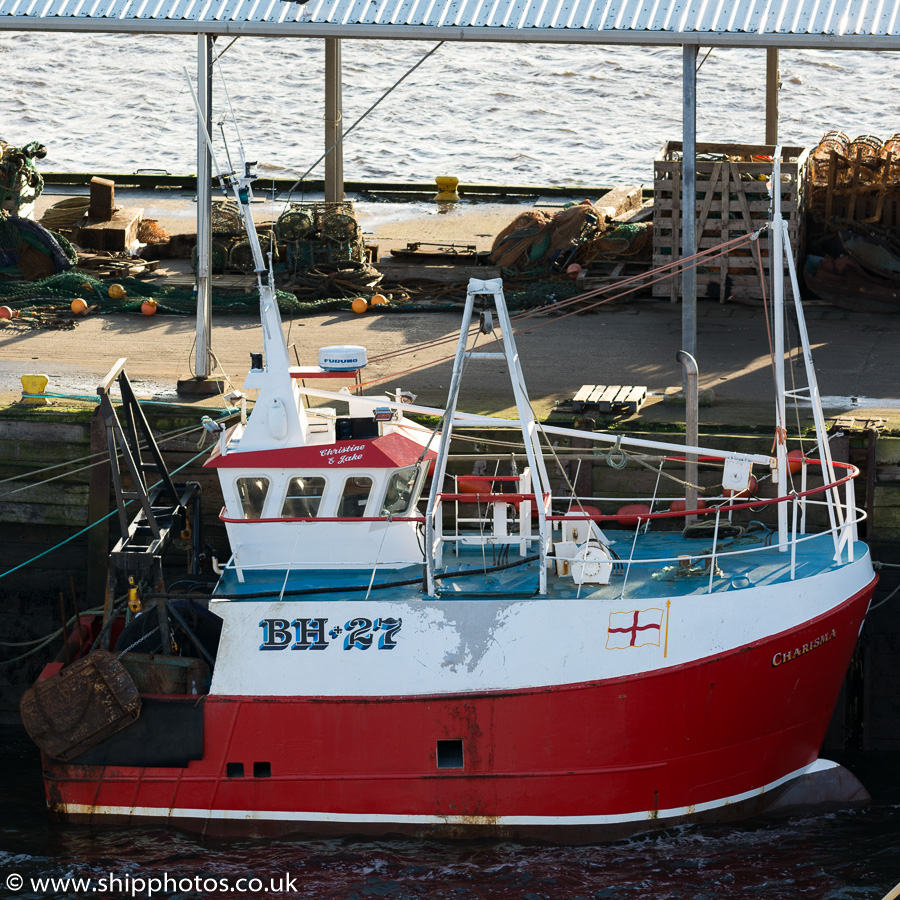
point(635, 628)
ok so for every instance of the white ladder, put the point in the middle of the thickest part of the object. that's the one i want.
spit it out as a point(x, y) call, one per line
point(493, 289)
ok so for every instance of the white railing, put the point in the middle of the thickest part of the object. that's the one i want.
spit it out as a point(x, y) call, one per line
point(842, 517)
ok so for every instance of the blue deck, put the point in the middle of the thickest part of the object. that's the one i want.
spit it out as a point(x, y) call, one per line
point(741, 563)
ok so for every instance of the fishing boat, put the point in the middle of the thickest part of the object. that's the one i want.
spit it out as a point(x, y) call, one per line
point(384, 654)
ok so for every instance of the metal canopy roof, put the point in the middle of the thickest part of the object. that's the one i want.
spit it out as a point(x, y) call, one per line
point(823, 24)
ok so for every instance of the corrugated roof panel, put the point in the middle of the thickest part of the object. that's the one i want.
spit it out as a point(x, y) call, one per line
point(878, 17)
point(327, 13)
point(389, 15)
point(481, 14)
point(511, 13)
point(256, 10)
point(579, 13)
point(531, 14)
point(622, 15)
point(833, 23)
point(370, 12)
point(444, 13)
point(112, 9)
point(876, 20)
point(643, 13)
point(895, 17)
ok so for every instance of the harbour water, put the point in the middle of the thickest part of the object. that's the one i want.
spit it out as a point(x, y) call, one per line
point(841, 855)
point(488, 113)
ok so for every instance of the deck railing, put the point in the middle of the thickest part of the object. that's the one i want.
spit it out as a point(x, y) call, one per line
point(836, 498)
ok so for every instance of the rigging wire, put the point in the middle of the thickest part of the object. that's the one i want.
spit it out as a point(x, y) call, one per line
point(634, 283)
point(87, 528)
point(99, 458)
point(697, 258)
point(344, 134)
point(234, 119)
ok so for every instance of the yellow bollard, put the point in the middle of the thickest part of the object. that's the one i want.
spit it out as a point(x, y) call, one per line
point(34, 384)
point(447, 185)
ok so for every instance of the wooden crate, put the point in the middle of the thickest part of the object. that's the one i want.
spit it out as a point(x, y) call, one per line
point(732, 199)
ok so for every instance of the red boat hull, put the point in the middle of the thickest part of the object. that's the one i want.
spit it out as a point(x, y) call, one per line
point(714, 739)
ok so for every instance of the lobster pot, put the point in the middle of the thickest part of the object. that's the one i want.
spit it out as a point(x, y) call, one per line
point(732, 199)
point(857, 180)
point(320, 234)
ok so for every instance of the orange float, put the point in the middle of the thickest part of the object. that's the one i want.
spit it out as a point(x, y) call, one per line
point(359, 305)
point(379, 300)
point(681, 505)
point(5, 312)
point(79, 307)
point(748, 491)
point(149, 307)
point(631, 513)
point(795, 460)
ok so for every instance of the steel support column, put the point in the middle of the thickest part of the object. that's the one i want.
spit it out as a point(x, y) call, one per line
point(689, 199)
point(204, 206)
point(773, 86)
point(334, 148)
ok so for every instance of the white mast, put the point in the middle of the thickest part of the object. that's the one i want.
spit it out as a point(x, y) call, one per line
point(284, 421)
point(777, 268)
point(781, 254)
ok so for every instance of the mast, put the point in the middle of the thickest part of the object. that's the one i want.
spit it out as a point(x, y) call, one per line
point(782, 254)
point(278, 416)
point(777, 268)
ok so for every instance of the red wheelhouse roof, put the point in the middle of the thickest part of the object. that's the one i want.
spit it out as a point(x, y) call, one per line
point(391, 451)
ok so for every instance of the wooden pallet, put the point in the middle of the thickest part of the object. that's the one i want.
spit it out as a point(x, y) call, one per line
point(609, 398)
point(732, 199)
point(606, 274)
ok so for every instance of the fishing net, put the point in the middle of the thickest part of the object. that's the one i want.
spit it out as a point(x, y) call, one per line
point(59, 290)
point(570, 226)
point(29, 251)
point(518, 237)
point(535, 244)
point(629, 241)
point(347, 279)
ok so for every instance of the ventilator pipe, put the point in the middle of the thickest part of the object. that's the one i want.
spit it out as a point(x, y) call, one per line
point(691, 426)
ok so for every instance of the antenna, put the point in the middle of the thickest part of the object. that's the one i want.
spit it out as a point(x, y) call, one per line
point(212, 152)
point(240, 185)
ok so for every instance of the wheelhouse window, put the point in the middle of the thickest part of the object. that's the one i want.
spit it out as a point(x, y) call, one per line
point(401, 494)
point(303, 498)
point(252, 495)
point(355, 497)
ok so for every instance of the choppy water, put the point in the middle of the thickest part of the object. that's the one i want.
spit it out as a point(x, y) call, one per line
point(847, 855)
point(497, 113)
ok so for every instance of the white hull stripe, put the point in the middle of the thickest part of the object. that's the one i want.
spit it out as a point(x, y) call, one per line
point(820, 765)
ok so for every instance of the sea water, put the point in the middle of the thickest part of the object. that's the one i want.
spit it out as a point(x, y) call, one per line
point(838, 855)
point(487, 113)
